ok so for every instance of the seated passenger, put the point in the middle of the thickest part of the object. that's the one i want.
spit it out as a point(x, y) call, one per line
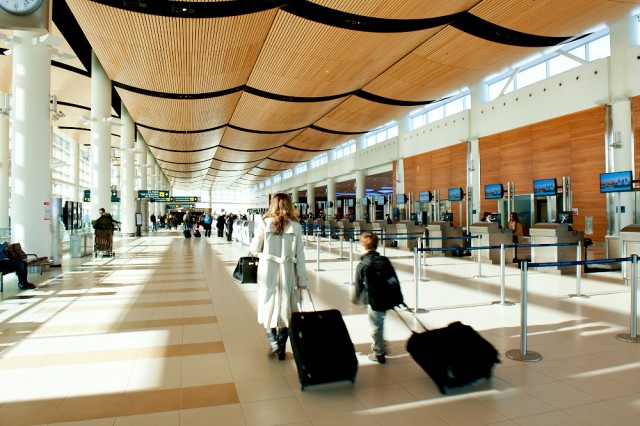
point(18, 266)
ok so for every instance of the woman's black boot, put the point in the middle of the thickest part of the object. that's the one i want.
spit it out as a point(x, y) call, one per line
point(283, 334)
point(273, 340)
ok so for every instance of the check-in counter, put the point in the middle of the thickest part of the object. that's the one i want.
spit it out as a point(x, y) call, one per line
point(345, 228)
point(490, 234)
point(439, 230)
point(554, 233)
point(408, 234)
point(612, 250)
point(329, 228)
point(361, 226)
point(630, 242)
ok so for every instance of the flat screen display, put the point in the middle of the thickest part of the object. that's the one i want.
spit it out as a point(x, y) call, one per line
point(380, 200)
point(616, 182)
point(350, 202)
point(493, 192)
point(455, 194)
point(365, 201)
point(339, 203)
point(544, 187)
point(424, 197)
point(401, 198)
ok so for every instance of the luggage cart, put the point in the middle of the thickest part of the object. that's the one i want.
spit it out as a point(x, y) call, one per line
point(103, 243)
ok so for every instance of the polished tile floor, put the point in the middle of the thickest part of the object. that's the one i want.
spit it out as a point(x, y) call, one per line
point(161, 335)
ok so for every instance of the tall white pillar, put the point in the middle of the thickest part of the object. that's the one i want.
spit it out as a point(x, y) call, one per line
point(100, 138)
point(127, 175)
point(5, 162)
point(31, 144)
point(360, 191)
point(141, 162)
point(75, 171)
point(311, 199)
point(295, 195)
point(331, 196)
point(623, 36)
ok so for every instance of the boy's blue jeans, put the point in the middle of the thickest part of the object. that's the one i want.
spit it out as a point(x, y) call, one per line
point(376, 321)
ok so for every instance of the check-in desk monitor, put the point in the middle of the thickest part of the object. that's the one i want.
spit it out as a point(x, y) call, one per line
point(553, 233)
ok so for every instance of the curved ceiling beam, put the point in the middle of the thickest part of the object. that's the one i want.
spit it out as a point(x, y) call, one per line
point(181, 150)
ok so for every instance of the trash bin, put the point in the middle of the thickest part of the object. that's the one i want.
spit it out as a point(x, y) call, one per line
point(75, 245)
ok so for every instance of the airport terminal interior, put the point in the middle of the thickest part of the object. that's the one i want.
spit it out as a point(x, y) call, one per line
point(407, 118)
point(160, 334)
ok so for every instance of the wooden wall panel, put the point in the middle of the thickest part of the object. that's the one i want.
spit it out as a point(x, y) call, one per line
point(587, 162)
point(516, 160)
point(551, 149)
point(489, 169)
point(635, 116)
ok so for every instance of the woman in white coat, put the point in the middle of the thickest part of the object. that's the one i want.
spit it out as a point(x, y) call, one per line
point(281, 271)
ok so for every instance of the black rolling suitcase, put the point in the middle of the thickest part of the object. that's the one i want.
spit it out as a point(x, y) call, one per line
point(187, 233)
point(197, 234)
point(452, 356)
point(322, 347)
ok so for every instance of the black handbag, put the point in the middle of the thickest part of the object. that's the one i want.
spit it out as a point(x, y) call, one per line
point(246, 271)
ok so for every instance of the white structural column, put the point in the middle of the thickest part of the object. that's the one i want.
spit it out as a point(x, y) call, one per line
point(31, 144)
point(127, 175)
point(331, 196)
point(360, 191)
point(141, 162)
point(295, 195)
point(311, 198)
point(75, 170)
point(5, 162)
point(479, 96)
point(100, 138)
point(623, 36)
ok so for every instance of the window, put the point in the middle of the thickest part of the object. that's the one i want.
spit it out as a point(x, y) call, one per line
point(301, 168)
point(287, 174)
point(531, 75)
point(435, 114)
point(600, 48)
point(454, 107)
point(319, 160)
point(560, 64)
point(345, 149)
point(277, 178)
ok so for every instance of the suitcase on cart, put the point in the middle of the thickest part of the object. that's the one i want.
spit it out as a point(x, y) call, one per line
point(452, 356)
point(322, 348)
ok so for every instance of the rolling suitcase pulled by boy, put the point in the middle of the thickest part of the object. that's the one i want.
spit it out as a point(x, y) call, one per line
point(453, 356)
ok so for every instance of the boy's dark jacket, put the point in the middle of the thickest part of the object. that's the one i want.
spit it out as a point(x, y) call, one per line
point(377, 292)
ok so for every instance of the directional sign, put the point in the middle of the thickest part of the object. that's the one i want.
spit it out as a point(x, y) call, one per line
point(180, 206)
point(185, 199)
point(152, 193)
point(87, 196)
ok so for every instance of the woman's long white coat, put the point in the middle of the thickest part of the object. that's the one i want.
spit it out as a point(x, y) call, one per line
point(280, 271)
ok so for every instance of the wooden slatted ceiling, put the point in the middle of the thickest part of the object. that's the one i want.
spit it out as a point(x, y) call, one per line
point(316, 140)
point(65, 48)
point(274, 165)
point(407, 9)
point(179, 114)
point(449, 60)
point(228, 155)
point(255, 141)
point(171, 159)
point(257, 113)
point(72, 88)
point(357, 114)
point(179, 55)
point(287, 154)
point(549, 17)
point(182, 141)
point(325, 60)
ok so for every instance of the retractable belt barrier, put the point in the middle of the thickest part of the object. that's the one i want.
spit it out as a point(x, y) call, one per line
point(523, 354)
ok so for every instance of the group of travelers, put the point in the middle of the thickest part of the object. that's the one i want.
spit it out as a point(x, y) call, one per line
point(282, 276)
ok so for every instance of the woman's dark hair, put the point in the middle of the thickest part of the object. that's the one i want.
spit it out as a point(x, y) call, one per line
point(514, 217)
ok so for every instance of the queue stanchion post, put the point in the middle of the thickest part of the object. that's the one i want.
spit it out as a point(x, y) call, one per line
point(423, 267)
point(503, 280)
point(416, 283)
point(384, 245)
point(632, 336)
point(318, 252)
point(522, 354)
point(341, 237)
point(579, 273)
point(479, 259)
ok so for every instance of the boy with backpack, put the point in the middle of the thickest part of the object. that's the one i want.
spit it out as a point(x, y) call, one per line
point(377, 287)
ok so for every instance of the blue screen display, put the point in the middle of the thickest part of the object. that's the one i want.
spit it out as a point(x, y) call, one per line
point(401, 198)
point(544, 187)
point(616, 182)
point(493, 192)
point(424, 197)
point(455, 194)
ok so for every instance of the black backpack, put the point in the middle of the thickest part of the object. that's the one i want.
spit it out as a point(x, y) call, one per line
point(382, 284)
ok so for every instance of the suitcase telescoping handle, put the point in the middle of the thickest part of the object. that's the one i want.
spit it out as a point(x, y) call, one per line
point(302, 298)
point(407, 324)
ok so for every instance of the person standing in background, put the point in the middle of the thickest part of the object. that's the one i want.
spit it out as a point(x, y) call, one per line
point(154, 226)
